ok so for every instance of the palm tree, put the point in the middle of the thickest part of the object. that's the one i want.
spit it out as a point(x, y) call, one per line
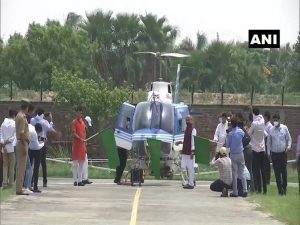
point(99, 26)
point(127, 30)
point(157, 36)
point(74, 21)
point(201, 41)
point(187, 45)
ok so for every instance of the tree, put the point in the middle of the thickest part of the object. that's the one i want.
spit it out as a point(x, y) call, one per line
point(127, 31)
point(21, 65)
point(201, 41)
point(62, 47)
point(101, 102)
point(74, 21)
point(294, 75)
point(99, 28)
point(187, 45)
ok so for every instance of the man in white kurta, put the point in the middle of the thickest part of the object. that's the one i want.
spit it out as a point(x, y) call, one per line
point(188, 152)
point(220, 133)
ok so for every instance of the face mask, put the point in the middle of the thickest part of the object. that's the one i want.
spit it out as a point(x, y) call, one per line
point(220, 120)
point(276, 123)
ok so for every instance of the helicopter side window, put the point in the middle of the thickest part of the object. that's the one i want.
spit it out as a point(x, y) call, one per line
point(180, 120)
point(169, 89)
point(124, 118)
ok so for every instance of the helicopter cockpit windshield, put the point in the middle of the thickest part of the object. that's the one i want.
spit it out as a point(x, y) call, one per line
point(154, 116)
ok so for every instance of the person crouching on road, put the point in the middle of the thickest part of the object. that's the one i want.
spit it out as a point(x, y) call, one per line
point(235, 143)
point(78, 147)
point(223, 162)
point(187, 154)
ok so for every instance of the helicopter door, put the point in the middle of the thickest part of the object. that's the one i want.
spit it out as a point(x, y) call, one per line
point(123, 130)
point(180, 114)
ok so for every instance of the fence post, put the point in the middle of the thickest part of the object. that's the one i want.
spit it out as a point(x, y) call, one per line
point(282, 95)
point(192, 95)
point(252, 93)
point(11, 92)
point(41, 91)
point(222, 94)
point(132, 93)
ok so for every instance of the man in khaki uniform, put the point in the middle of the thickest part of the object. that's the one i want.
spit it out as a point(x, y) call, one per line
point(22, 134)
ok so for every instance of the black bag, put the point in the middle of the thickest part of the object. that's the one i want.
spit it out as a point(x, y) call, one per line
point(137, 176)
point(246, 139)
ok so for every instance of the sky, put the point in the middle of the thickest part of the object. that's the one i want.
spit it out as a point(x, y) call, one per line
point(231, 19)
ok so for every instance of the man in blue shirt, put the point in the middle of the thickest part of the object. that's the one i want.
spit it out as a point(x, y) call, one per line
point(279, 142)
point(235, 143)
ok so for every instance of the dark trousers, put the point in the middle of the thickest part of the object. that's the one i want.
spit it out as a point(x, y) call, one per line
point(123, 159)
point(248, 155)
point(218, 186)
point(1, 169)
point(259, 172)
point(298, 162)
point(279, 161)
point(44, 164)
point(240, 186)
point(35, 157)
point(267, 164)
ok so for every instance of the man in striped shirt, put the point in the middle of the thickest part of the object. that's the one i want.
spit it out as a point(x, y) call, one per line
point(279, 142)
point(224, 165)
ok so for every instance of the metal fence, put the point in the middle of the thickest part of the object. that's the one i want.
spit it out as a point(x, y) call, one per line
point(191, 97)
point(247, 98)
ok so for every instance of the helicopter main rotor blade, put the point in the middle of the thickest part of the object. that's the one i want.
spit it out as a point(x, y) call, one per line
point(176, 55)
point(152, 53)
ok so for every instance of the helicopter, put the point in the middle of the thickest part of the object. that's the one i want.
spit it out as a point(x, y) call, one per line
point(158, 117)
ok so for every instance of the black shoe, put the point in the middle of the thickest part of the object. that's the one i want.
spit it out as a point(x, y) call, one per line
point(284, 191)
point(233, 195)
point(87, 181)
point(22, 193)
point(81, 184)
point(75, 183)
point(36, 190)
point(188, 186)
point(245, 194)
point(224, 193)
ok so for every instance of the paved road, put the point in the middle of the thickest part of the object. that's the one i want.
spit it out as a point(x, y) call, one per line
point(159, 203)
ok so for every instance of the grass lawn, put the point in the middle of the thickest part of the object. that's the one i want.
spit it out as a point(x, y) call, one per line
point(284, 208)
point(65, 170)
point(6, 193)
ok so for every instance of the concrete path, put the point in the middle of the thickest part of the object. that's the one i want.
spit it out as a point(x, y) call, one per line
point(159, 203)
